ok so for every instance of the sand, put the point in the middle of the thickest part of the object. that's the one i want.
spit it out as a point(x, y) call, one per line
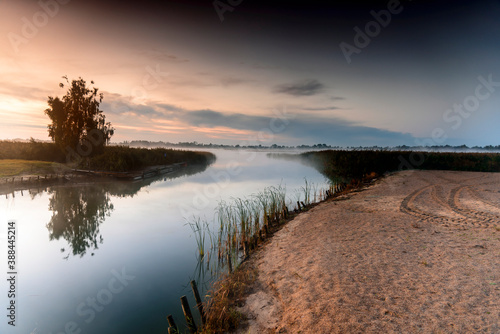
point(416, 252)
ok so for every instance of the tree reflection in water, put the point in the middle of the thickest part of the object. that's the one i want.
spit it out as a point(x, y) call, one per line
point(77, 214)
point(78, 210)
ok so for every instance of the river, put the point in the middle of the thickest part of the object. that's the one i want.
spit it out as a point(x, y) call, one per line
point(115, 257)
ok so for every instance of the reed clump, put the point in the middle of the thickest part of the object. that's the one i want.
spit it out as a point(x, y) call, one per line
point(239, 226)
point(245, 221)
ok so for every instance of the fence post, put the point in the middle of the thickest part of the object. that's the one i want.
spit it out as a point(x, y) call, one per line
point(172, 326)
point(188, 315)
point(199, 304)
point(229, 263)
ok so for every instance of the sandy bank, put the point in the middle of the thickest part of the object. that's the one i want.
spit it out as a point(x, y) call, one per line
point(418, 252)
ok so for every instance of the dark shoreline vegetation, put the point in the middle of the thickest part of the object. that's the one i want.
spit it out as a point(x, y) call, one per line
point(112, 158)
point(347, 165)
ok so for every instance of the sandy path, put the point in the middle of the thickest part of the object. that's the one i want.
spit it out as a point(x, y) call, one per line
point(418, 252)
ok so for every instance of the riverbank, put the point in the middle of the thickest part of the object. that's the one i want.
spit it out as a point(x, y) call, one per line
point(24, 165)
point(27, 175)
point(415, 252)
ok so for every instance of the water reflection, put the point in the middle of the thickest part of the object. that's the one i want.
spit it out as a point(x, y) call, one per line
point(77, 212)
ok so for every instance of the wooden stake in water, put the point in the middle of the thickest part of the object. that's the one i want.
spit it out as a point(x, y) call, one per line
point(245, 249)
point(197, 298)
point(188, 315)
point(172, 326)
point(229, 263)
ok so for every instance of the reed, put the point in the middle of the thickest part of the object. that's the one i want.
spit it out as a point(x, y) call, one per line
point(200, 229)
point(307, 192)
point(240, 223)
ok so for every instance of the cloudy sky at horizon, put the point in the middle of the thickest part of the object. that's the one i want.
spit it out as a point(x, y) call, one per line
point(274, 72)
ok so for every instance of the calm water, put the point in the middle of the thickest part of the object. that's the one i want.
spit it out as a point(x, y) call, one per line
point(116, 257)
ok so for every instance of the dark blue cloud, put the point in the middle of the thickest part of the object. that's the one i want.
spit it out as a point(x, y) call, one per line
point(302, 88)
point(322, 108)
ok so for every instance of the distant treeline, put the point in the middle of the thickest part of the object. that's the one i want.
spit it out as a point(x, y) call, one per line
point(147, 143)
point(357, 164)
point(113, 158)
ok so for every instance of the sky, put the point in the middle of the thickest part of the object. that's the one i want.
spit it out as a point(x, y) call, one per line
point(343, 73)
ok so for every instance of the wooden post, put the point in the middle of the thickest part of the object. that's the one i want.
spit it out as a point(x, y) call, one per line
point(245, 248)
point(229, 263)
point(188, 315)
point(199, 303)
point(172, 326)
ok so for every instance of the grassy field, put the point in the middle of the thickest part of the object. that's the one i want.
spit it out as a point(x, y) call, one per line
point(14, 167)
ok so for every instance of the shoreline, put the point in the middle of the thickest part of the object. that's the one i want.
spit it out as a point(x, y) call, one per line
point(10, 184)
point(415, 252)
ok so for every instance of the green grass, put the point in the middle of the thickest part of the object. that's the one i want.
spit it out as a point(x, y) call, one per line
point(15, 167)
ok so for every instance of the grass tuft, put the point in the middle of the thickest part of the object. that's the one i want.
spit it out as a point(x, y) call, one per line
point(223, 300)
